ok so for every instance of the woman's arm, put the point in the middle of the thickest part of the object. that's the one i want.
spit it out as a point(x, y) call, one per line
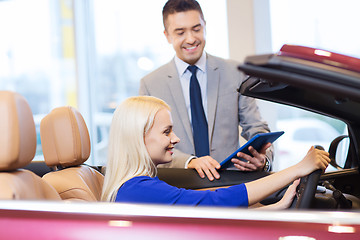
point(263, 187)
point(285, 201)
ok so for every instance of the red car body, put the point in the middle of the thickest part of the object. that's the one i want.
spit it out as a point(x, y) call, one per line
point(62, 220)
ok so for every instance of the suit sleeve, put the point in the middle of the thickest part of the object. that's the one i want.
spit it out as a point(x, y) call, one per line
point(143, 91)
point(251, 121)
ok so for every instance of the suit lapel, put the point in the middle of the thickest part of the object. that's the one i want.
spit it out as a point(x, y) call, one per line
point(213, 77)
point(178, 98)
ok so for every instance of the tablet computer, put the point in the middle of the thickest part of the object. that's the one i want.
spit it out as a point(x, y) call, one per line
point(256, 142)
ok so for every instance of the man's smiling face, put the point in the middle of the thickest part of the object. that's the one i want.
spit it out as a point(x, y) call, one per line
point(186, 32)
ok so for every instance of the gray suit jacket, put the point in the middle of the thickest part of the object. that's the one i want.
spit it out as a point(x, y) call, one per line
point(226, 108)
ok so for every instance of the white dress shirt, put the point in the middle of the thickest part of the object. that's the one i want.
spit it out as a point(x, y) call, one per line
point(185, 75)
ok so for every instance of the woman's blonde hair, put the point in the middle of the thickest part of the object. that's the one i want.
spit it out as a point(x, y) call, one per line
point(127, 153)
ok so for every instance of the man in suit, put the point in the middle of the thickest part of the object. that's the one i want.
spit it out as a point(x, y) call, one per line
point(225, 108)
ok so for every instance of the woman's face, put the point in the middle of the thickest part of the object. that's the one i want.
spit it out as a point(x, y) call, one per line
point(160, 139)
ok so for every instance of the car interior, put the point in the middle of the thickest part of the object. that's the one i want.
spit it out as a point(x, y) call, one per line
point(66, 146)
point(18, 141)
point(282, 78)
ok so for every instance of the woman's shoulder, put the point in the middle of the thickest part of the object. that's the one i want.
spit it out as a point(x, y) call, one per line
point(141, 179)
point(146, 182)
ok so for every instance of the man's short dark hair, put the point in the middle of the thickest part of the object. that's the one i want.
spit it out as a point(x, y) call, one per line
point(175, 6)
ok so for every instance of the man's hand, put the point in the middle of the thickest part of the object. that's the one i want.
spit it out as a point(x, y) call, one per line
point(250, 163)
point(205, 165)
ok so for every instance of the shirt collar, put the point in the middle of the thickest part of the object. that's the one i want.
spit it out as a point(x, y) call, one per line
point(181, 66)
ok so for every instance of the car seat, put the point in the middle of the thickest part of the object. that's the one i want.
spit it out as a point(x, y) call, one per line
point(66, 146)
point(18, 147)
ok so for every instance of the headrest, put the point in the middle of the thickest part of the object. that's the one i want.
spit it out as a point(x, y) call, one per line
point(17, 132)
point(65, 138)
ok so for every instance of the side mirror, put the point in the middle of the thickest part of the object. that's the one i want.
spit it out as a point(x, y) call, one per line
point(338, 151)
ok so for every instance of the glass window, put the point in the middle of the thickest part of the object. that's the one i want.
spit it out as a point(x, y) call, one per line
point(307, 134)
point(37, 54)
point(39, 58)
point(303, 130)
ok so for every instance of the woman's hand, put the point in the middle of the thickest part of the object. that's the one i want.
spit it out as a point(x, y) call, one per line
point(286, 200)
point(314, 159)
point(289, 195)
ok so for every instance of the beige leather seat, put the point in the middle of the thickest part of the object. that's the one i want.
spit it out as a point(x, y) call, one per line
point(17, 149)
point(66, 146)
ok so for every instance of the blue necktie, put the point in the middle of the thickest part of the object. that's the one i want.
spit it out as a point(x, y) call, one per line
point(198, 119)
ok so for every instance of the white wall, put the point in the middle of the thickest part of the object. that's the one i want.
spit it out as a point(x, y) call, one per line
point(249, 34)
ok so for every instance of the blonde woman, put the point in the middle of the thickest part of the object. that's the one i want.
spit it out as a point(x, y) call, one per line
point(141, 138)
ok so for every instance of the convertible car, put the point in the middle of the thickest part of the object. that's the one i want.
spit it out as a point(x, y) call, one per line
point(326, 206)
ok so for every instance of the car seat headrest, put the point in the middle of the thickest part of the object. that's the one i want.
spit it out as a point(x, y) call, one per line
point(17, 131)
point(65, 138)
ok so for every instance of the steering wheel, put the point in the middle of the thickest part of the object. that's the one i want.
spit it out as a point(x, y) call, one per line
point(306, 189)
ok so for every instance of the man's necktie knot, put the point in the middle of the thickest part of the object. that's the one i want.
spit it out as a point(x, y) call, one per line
point(193, 69)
